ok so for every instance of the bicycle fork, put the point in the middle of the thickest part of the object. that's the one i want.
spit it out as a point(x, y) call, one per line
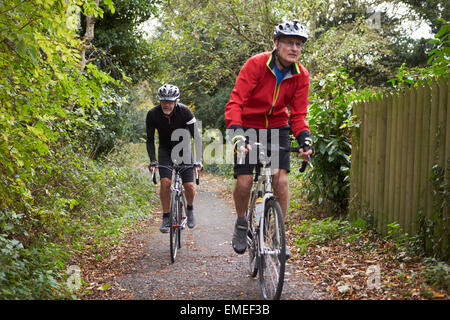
point(263, 250)
point(183, 217)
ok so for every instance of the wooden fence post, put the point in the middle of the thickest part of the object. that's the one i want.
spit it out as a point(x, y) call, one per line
point(380, 158)
point(393, 150)
point(410, 145)
point(355, 165)
point(432, 142)
point(398, 155)
point(404, 116)
point(418, 155)
point(446, 222)
point(442, 163)
point(425, 184)
point(364, 142)
point(372, 155)
point(387, 162)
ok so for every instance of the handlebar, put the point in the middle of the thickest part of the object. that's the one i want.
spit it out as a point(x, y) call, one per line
point(197, 180)
point(153, 170)
point(304, 163)
point(241, 156)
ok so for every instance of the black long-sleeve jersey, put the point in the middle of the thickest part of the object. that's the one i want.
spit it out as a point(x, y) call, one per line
point(180, 118)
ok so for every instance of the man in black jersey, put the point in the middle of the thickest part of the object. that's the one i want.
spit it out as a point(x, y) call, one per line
point(173, 120)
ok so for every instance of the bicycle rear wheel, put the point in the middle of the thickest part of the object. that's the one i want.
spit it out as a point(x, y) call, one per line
point(272, 262)
point(174, 227)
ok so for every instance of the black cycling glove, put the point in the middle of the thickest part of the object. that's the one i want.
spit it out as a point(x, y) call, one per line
point(304, 140)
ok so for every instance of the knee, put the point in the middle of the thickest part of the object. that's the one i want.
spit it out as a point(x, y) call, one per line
point(244, 183)
point(165, 184)
point(281, 184)
point(189, 187)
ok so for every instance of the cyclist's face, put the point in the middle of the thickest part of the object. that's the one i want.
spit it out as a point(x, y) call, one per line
point(167, 106)
point(289, 48)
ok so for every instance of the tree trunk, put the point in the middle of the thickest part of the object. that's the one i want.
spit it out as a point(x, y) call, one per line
point(87, 38)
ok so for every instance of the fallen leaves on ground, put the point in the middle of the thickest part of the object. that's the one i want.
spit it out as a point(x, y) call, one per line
point(350, 271)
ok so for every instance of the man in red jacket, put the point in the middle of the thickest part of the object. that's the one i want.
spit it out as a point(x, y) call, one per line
point(271, 92)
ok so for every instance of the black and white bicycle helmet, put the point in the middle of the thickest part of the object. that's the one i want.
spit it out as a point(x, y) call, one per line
point(291, 28)
point(168, 92)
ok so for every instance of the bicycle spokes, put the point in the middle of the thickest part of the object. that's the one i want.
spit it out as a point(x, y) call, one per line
point(272, 261)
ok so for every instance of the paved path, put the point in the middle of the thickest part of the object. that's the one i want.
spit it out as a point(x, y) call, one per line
point(206, 266)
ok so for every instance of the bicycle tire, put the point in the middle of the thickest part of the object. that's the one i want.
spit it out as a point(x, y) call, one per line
point(272, 265)
point(174, 229)
point(252, 243)
point(181, 203)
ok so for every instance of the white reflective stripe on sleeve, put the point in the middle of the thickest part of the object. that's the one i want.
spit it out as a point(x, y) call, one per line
point(193, 120)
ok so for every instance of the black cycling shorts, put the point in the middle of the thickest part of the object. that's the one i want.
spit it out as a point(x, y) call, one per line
point(186, 173)
point(252, 161)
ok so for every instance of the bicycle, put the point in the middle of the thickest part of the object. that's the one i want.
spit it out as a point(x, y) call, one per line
point(178, 216)
point(266, 237)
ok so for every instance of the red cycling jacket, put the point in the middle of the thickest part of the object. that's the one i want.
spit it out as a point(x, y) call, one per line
point(256, 102)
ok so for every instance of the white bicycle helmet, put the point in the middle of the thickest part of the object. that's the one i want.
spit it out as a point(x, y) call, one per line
point(168, 92)
point(293, 28)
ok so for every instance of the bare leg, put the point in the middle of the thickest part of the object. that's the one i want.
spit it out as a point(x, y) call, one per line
point(241, 193)
point(281, 189)
point(164, 194)
point(189, 192)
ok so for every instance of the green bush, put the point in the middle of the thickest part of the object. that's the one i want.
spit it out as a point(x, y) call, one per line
point(80, 201)
point(330, 115)
point(319, 232)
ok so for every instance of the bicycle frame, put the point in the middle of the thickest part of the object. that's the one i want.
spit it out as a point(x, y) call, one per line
point(265, 239)
point(178, 206)
point(263, 186)
point(177, 188)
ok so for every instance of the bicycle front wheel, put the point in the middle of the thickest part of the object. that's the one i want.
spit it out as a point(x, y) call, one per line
point(174, 227)
point(252, 243)
point(272, 262)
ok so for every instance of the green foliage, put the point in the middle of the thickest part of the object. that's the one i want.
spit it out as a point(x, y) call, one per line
point(433, 230)
point(438, 64)
point(396, 234)
point(438, 273)
point(207, 108)
point(320, 232)
point(28, 273)
point(330, 115)
point(51, 194)
point(220, 169)
point(44, 96)
point(79, 201)
point(434, 11)
point(120, 46)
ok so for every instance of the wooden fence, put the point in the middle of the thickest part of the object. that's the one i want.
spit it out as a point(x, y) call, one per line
point(399, 140)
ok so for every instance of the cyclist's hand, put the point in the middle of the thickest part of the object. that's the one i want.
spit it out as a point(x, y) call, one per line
point(199, 165)
point(241, 145)
point(152, 166)
point(306, 154)
point(245, 149)
point(306, 150)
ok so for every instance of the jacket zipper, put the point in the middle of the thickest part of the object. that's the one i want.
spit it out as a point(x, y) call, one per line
point(274, 99)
